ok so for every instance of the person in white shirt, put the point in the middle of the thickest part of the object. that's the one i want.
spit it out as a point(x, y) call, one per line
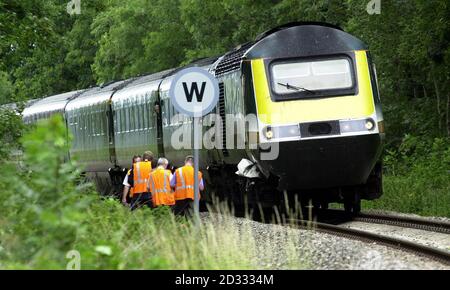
point(126, 185)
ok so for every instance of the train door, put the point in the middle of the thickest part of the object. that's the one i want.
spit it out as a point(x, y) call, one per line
point(159, 126)
point(110, 132)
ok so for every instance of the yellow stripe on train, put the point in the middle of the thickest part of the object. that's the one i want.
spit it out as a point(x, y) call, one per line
point(330, 108)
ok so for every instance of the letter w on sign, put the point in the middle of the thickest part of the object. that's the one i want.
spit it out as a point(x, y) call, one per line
point(194, 90)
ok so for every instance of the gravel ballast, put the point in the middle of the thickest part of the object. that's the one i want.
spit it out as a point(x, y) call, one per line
point(282, 247)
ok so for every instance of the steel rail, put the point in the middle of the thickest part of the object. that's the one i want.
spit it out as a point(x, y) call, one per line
point(370, 237)
point(400, 221)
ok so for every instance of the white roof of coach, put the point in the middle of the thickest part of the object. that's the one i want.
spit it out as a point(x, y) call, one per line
point(49, 104)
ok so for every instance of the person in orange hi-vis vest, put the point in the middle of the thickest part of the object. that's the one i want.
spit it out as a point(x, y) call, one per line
point(183, 182)
point(126, 198)
point(138, 180)
point(159, 183)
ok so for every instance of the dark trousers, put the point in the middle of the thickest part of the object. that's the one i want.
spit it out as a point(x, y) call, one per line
point(183, 207)
point(141, 199)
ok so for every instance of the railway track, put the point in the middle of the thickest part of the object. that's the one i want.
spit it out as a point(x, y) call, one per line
point(404, 222)
point(370, 237)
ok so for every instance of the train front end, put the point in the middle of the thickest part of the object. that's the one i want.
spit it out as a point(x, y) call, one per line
point(315, 94)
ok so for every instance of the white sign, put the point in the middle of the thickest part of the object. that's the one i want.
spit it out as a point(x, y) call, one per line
point(194, 92)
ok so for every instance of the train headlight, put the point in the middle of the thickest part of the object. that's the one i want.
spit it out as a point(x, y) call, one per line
point(268, 133)
point(282, 132)
point(346, 128)
point(370, 125)
point(349, 126)
point(288, 131)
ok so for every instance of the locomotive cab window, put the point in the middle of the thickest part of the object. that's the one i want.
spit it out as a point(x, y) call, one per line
point(296, 79)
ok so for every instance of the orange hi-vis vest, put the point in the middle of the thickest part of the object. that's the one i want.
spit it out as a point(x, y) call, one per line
point(160, 187)
point(184, 187)
point(141, 173)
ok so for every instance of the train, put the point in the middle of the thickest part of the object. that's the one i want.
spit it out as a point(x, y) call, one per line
point(313, 93)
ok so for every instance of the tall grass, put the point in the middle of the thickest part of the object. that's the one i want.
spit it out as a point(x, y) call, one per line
point(156, 239)
point(109, 236)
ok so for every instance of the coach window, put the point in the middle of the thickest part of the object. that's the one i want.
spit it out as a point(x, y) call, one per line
point(116, 113)
point(94, 124)
point(135, 113)
point(132, 116)
point(82, 120)
point(98, 123)
point(125, 117)
point(78, 114)
point(141, 113)
point(102, 122)
point(131, 113)
point(134, 109)
point(166, 117)
point(118, 118)
point(138, 113)
point(145, 111)
point(94, 119)
point(122, 118)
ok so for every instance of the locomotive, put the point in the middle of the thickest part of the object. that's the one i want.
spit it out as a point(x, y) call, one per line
point(311, 88)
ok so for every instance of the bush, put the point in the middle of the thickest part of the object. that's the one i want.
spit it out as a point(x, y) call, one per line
point(42, 206)
point(416, 177)
point(11, 128)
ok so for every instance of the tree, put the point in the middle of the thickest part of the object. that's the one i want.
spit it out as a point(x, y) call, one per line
point(6, 89)
point(138, 37)
point(44, 50)
point(32, 49)
point(82, 45)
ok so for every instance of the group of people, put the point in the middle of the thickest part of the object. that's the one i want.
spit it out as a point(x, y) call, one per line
point(153, 187)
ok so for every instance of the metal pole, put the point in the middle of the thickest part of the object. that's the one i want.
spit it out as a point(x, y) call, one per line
point(197, 132)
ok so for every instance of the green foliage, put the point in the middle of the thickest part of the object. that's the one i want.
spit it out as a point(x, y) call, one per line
point(6, 89)
point(82, 45)
point(42, 206)
point(417, 177)
point(11, 128)
point(32, 46)
point(44, 50)
point(410, 44)
point(138, 37)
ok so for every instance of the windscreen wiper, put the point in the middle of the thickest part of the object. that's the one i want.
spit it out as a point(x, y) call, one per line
point(291, 87)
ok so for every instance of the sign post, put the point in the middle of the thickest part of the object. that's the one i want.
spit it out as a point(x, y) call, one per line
point(195, 92)
point(197, 134)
